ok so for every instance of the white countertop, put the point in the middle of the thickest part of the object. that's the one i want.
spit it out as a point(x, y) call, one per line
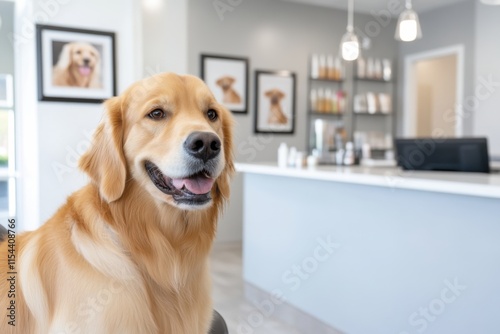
point(470, 184)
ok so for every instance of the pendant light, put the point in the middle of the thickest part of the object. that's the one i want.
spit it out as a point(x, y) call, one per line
point(349, 45)
point(408, 28)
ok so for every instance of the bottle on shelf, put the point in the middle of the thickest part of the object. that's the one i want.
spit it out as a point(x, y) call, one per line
point(387, 70)
point(378, 72)
point(331, 70)
point(320, 101)
point(315, 66)
point(339, 69)
point(341, 102)
point(370, 68)
point(323, 72)
point(361, 67)
point(328, 101)
point(314, 100)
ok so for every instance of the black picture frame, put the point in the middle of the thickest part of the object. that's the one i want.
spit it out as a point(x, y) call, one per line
point(75, 65)
point(273, 107)
point(214, 68)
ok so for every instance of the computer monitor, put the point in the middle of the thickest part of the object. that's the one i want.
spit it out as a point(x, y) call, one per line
point(443, 154)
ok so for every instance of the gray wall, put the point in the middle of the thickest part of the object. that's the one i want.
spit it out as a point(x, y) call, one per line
point(445, 26)
point(6, 28)
point(487, 115)
point(274, 35)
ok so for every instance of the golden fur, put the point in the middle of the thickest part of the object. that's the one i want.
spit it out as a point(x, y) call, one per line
point(79, 65)
point(120, 256)
point(276, 114)
point(230, 95)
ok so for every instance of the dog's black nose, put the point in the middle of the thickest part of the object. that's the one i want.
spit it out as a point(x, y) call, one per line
point(203, 145)
point(86, 61)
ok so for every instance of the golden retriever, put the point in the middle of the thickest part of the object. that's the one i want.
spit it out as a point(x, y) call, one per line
point(276, 114)
point(128, 252)
point(79, 65)
point(229, 94)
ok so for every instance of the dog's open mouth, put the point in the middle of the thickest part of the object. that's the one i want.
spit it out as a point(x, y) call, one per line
point(193, 189)
point(85, 70)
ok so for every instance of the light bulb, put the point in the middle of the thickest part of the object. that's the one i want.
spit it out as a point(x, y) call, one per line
point(408, 30)
point(350, 46)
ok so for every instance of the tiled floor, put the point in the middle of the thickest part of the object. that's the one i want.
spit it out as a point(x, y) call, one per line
point(229, 298)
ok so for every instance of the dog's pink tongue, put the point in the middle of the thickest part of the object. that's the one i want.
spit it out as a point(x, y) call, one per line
point(84, 70)
point(198, 185)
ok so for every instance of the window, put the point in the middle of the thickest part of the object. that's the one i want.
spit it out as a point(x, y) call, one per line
point(7, 158)
point(7, 136)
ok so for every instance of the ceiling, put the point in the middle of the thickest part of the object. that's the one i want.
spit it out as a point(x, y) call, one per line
point(366, 6)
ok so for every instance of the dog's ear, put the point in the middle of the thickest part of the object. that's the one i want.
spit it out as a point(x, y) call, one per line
point(96, 74)
point(224, 180)
point(280, 94)
point(269, 93)
point(105, 161)
point(65, 56)
point(220, 81)
point(231, 80)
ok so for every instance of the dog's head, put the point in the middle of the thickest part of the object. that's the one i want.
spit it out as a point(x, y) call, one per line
point(275, 95)
point(225, 82)
point(80, 57)
point(168, 134)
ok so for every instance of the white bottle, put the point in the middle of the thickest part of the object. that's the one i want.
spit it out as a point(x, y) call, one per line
point(283, 155)
point(292, 156)
point(349, 154)
point(339, 157)
point(387, 69)
point(315, 66)
point(314, 100)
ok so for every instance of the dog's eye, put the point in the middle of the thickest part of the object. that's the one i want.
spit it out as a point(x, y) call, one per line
point(156, 114)
point(212, 115)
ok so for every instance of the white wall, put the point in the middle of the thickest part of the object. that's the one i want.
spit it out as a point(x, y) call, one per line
point(165, 29)
point(53, 135)
point(51, 132)
point(487, 53)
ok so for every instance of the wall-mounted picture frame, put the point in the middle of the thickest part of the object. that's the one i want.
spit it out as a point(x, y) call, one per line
point(75, 65)
point(6, 91)
point(275, 102)
point(227, 78)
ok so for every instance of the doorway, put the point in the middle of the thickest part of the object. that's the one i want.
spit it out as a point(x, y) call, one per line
point(433, 93)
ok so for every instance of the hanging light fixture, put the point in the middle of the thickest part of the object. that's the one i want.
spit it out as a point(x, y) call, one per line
point(349, 45)
point(408, 28)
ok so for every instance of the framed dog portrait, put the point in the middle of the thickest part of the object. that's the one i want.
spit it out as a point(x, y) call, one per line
point(75, 65)
point(227, 78)
point(275, 102)
point(6, 91)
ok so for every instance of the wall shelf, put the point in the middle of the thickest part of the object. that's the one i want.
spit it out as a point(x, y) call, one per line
point(373, 80)
point(325, 114)
point(326, 80)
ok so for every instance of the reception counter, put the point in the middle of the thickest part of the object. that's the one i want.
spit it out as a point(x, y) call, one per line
point(373, 250)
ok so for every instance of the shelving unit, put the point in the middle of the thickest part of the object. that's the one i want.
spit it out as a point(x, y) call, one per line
point(377, 125)
point(384, 122)
point(312, 115)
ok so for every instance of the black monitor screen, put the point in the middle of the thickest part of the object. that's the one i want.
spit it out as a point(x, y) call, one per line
point(444, 154)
